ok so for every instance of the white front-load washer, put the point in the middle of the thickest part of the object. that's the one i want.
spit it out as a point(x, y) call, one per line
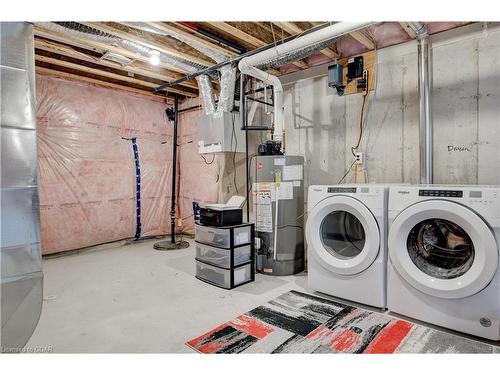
point(443, 256)
point(346, 238)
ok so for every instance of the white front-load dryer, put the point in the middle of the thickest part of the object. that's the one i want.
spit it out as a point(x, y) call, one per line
point(346, 238)
point(443, 256)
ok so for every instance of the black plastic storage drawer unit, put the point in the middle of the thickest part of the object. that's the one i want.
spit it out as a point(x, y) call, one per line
point(225, 255)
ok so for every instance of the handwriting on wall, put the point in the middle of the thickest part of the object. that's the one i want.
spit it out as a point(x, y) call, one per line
point(461, 148)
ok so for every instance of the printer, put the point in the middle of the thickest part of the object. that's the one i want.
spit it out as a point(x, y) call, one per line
point(223, 214)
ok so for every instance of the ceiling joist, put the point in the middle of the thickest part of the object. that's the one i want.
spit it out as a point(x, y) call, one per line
point(293, 29)
point(76, 77)
point(172, 27)
point(147, 43)
point(115, 76)
point(98, 46)
point(68, 51)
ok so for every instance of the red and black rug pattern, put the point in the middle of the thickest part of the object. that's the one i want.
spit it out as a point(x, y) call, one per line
point(296, 322)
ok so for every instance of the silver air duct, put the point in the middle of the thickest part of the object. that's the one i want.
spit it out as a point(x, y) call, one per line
point(424, 67)
point(227, 73)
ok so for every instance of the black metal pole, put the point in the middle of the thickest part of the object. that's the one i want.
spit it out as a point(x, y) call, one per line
point(174, 170)
point(243, 121)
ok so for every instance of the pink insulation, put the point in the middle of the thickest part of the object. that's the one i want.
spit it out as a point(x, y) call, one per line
point(86, 169)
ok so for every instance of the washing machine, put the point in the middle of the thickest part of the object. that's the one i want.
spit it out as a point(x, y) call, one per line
point(346, 238)
point(443, 256)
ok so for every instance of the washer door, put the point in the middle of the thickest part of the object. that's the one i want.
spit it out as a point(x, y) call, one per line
point(343, 235)
point(443, 249)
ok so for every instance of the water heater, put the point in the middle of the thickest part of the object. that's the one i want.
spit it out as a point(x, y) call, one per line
point(278, 207)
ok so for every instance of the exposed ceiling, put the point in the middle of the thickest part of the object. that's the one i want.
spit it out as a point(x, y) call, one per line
point(68, 55)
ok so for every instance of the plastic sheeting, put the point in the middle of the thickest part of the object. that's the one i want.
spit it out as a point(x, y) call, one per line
point(87, 171)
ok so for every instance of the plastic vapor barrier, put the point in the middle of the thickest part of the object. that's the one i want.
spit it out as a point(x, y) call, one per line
point(87, 172)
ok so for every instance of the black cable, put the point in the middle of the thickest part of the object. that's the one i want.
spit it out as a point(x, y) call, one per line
point(361, 117)
point(345, 175)
point(360, 126)
point(205, 160)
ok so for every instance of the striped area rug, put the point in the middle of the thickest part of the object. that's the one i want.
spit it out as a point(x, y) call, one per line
point(301, 323)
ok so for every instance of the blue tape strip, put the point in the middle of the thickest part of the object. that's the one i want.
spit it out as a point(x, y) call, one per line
point(137, 189)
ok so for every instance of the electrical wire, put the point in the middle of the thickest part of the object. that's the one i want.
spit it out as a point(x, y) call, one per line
point(346, 173)
point(361, 118)
point(205, 160)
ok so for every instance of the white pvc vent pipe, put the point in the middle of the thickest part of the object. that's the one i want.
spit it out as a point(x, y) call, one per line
point(248, 64)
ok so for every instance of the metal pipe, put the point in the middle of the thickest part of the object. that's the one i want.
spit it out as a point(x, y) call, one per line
point(235, 59)
point(248, 65)
point(243, 125)
point(174, 170)
point(213, 37)
point(425, 121)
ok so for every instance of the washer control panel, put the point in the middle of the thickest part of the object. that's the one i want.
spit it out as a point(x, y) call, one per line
point(349, 190)
point(441, 193)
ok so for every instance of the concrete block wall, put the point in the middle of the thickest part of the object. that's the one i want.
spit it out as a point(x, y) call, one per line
point(322, 126)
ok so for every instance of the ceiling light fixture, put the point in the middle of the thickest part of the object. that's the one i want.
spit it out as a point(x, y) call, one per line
point(154, 57)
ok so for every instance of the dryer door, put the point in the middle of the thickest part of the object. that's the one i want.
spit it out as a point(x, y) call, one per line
point(443, 249)
point(343, 235)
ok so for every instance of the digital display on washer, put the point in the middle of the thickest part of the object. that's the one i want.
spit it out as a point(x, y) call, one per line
point(441, 193)
point(475, 194)
point(341, 190)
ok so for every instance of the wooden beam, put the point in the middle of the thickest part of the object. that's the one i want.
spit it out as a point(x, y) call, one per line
point(64, 50)
point(147, 43)
point(250, 39)
point(289, 27)
point(361, 37)
point(94, 45)
point(99, 72)
point(172, 27)
point(60, 74)
point(237, 33)
point(406, 27)
point(293, 29)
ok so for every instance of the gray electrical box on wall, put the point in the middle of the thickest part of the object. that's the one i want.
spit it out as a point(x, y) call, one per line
point(220, 132)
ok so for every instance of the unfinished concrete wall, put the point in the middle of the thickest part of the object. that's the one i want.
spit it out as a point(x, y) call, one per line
point(322, 126)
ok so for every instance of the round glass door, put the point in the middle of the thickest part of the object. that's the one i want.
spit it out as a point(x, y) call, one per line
point(440, 248)
point(342, 234)
point(443, 249)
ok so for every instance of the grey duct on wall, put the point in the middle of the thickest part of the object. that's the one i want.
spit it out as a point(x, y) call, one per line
point(21, 262)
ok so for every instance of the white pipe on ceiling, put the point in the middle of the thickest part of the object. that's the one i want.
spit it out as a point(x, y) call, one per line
point(248, 64)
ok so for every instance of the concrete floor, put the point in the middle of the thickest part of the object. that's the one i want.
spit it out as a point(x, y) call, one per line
point(131, 299)
point(135, 299)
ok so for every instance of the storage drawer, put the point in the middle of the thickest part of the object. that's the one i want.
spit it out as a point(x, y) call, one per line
point(221, 237)
point(222, 257)
point(222, 277)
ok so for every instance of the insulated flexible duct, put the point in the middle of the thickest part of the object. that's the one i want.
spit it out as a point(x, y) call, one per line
point(86, 32)
point(227, 73)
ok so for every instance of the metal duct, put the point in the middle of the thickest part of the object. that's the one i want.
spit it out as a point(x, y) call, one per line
point(86, 32)
point(21, 260)
point(248, 64)
point(424, 82)
point(206, 93)
point(227, 73)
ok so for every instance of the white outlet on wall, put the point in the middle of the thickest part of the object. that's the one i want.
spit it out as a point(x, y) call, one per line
point(358, 157)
